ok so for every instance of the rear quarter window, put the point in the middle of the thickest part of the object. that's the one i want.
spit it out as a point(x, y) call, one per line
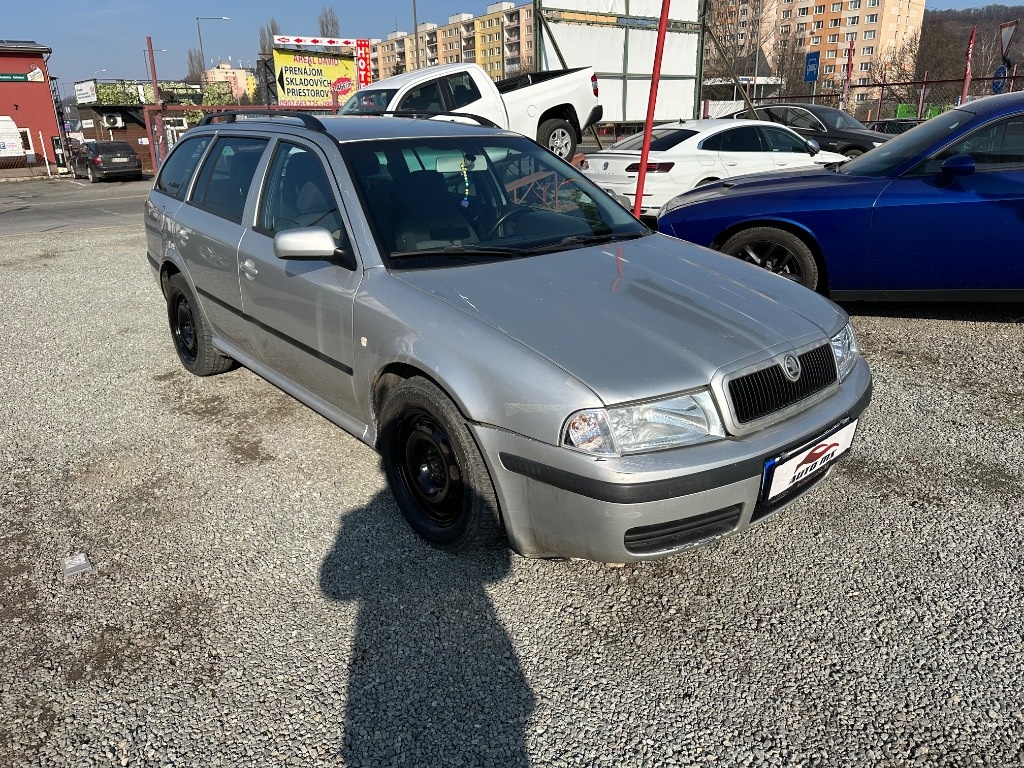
point(177, 170)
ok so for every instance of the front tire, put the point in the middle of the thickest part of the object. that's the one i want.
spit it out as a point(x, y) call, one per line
point(776, 250)
point(435, 470)
point(559, 137)
point(853, 152)
point(191, 335)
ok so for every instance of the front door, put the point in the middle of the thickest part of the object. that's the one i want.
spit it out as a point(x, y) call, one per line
point(300, 312)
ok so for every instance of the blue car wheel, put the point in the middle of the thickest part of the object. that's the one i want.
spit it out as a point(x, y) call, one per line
point(776, 250)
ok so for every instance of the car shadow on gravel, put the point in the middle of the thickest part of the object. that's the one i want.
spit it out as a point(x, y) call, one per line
point(977, 312)
point(433, 677)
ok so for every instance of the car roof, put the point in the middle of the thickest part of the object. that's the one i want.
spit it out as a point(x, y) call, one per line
point(995, 104)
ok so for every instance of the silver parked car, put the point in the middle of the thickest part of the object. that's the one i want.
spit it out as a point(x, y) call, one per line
point(523, 353)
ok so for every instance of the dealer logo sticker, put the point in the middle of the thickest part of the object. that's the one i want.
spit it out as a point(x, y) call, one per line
point(809, 460)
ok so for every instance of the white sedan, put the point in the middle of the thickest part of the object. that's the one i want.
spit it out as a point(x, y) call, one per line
point(692, 152)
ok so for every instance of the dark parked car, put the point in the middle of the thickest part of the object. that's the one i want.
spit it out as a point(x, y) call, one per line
point(894, 125)
point(934, 214)
point(97, 160)
point(833, 129)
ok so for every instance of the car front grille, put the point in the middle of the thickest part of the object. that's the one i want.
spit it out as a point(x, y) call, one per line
point(767, 391)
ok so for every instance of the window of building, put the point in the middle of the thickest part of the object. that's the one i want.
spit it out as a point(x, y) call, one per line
point(815, 41)
point(834, 22)
point(833, 38)
point(871, 18)
point(830, 54)
point(803, 11)
point(851, 36)
point(787, 14)
point(862, 97)
point(830, 69)
point(863, 81)
point(865, 66)
point(853, 5)
point(836, 7)
point(819, 9)
point(818, 25)
point(852, 21)
point(872, 3)
point(784, 29)
point(869, 34)
point(867, 50)
point(801, 27)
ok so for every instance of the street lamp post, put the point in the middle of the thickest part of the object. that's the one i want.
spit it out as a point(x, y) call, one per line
point(199, 31)
point(146, 57)
point(96, 73)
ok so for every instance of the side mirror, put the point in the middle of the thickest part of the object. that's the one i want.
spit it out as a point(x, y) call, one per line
point(311, 244)
point(813, 146)
point(960, 164)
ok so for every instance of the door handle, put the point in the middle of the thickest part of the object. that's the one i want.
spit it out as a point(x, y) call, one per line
point(248, 268)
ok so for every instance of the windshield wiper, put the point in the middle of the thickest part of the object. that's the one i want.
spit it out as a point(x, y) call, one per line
point(460, 252)
point(572, 241)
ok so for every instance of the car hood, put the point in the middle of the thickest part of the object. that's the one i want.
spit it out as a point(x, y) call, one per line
point(800, 181)
point(636, 319)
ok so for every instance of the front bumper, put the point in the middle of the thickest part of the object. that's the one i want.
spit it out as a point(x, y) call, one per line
point(560, 503)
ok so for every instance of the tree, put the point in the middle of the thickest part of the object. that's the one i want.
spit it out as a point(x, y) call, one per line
point(329, 24)
point(267, 35)
point(195, 66)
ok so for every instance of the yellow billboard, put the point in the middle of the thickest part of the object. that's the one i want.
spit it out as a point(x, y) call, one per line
point(305, 78)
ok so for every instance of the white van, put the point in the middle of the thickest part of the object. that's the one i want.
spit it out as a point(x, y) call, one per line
point(12, 155)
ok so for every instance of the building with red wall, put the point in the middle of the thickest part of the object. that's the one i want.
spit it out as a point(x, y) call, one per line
point(26, 98)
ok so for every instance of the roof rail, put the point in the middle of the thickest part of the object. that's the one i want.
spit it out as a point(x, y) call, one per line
point(307, 120)
point(421, 115)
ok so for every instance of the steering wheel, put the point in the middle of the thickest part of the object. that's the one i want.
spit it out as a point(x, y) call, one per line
point(507, 216)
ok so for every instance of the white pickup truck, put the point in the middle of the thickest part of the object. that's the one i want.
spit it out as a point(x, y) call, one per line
point(552, 107)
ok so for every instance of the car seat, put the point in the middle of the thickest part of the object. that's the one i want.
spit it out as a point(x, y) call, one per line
point(428, 216)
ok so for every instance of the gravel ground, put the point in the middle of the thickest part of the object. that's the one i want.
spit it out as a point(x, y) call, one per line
point(256, 599)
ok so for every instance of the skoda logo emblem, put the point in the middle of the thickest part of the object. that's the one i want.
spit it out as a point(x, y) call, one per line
point(791, 367)
point(604, 167)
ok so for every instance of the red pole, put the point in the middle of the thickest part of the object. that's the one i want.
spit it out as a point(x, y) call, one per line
point(154, 135)
point(967, 70)
point(649, 124)
point(920, 101)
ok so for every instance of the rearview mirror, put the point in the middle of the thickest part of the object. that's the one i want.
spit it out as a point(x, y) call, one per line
point(453, 163)
point(813, 146)
point(960, 164)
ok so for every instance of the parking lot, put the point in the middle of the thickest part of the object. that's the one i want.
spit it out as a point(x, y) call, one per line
point(256, 599)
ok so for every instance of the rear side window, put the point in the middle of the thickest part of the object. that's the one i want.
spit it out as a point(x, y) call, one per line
point(223, 183)
point(180, 165)
point(464, 90)
point(745, 139)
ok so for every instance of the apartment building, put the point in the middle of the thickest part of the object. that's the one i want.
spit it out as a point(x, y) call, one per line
point(500, 41)
point(830, 27)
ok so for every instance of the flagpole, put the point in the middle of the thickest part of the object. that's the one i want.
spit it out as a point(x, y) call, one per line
point(967, 71)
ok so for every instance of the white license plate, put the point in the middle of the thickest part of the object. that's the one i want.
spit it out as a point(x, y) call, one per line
point(119, 159)
point(810, 459)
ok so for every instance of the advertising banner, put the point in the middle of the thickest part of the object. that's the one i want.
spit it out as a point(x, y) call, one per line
point(363, 62)
point(306, 78)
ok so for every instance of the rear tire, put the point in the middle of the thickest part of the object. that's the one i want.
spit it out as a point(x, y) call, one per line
point(190, 333)
point(559, 137)
point(92, 175)
point(776, 250)
point(435, 470)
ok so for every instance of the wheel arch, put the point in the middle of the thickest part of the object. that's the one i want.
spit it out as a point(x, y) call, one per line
point(389, 377)
point(798, 230)
point(562, 112)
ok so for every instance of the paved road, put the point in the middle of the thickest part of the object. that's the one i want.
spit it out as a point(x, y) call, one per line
point(60, 205)
point(257, 600)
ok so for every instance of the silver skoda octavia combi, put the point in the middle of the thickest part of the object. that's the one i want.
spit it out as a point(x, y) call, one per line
point(525, 356)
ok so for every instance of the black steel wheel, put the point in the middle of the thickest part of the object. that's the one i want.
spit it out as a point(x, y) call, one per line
point(435, 470)
point(776, 250)
point(190, 333)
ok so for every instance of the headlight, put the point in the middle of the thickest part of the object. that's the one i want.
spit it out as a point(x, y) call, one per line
point(878, 143)
point(651, 426)
point(844, 347)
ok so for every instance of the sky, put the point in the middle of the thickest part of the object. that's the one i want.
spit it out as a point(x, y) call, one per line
point(88, 38)
point(111, 34)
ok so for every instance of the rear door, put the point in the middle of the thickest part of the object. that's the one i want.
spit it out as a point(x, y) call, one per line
point(300, 312)
point(210, 226)
point(742, 150)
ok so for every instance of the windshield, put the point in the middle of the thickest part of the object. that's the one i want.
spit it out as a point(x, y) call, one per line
point(464, 199)
point(368, 101)
point(661, 139)
point(885, 159)
point(835, 118)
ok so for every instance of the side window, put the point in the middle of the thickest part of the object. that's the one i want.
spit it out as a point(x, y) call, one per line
point(464, 90)
point(426, 98)
point(996, 147)
point(801, 118)
point(779, 140)
point(298, 193)
point(224, 181)
point(180, 165)
point(712, 143)
point(745, 139)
